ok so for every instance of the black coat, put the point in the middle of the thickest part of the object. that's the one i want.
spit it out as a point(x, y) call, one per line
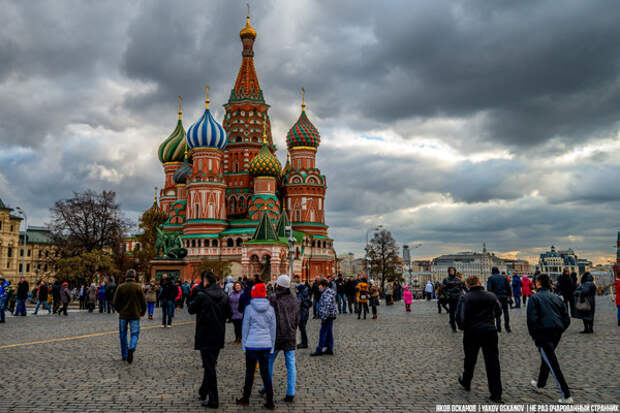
point(565, 284)
point(286, 308)
point(349, 288)
point(43, 293)
point(452, 287)
point(546, 312)
point(476, 311)
point(22, 290)
point(586, 291)
point(169, 291)
point(499, 285)
point(212, 309)
point(305, 302)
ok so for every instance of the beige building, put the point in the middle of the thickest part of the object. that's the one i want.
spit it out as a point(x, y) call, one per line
point(9, 243)
point(467, 263)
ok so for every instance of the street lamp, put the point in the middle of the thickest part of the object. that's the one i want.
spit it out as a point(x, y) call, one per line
point(21, 211)
point(377, 228)
point(291, 248)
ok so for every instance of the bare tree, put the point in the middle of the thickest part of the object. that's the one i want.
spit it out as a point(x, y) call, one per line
point(383, 255)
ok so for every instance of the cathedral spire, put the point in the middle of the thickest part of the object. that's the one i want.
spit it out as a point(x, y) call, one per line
point(247, 86)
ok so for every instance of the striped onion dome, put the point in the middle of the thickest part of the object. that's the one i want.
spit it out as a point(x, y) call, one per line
point(207, 133)
point(181, 174)
point(265, 164)
point(173, 148)
point(303, 133)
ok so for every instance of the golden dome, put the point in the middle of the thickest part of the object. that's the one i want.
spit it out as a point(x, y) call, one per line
point(247, 31)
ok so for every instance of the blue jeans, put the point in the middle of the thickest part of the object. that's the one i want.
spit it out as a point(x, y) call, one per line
point(101, 305)
point(342, 299)
point(167, 311)
point(21, 307)
point(150, 307)
point(45, 305)
point(619, 313)
point(3, 304)
point(134, 327)
point(291, 370)
point(326, 336)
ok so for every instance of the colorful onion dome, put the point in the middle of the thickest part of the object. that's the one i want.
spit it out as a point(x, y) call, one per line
point(172, 149)
point(265, 163)
point(207, 132)
point(303, 132)
point(180, 176)
point(248, 31)
point(287, 167)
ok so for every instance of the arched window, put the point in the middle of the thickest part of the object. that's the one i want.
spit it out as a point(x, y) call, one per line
point(206, 243)
point(241, 204)
point(214, 243)
point(238, 139)
point(236, 168)
point(232, 204)
point(298, 215)
point(230, 242)
point(197, 211)
point(193, 243)
point(313, 243)
point(239, 242)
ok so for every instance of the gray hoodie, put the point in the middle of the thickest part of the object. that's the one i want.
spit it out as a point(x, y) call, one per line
point(259, 326)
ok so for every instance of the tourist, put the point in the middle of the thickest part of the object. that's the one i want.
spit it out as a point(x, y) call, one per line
point(236, 316)
point(82, 297)
point(475, 316)
point(228, 286)
point(351, 293)
point(258, 337)
point(303, 298)
point(547, 319)
point(316, 296)
point(585, 303)
point(452, 287)
point(212, 308)
point(110, 289)
point(617, 282)
point(341, 295)
point(65, 298)
point(4, 293)
point(185, 290)
point(246, 296)
point(374, 293)
point(526, 287)
point(363, 296)
point(167, 298)
point(498, 284)
point(428, 291)
point(441, 298)
point(101, 295)
point(43, 295)
point(55, 296)
point(151, 299)
point(327, 313)
point(516, 290)
point(22, 296)
point(286, 308)
point(408, 298)
point(92, 297)
point(567, 290)
point(129, 301)
point(388, 290)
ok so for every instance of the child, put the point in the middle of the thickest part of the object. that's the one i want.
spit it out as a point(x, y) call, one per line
point(408, 298)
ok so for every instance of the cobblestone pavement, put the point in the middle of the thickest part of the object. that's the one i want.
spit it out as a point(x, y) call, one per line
point(400, 362)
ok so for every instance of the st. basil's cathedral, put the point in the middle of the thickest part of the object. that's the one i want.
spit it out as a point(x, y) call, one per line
point(228, 198)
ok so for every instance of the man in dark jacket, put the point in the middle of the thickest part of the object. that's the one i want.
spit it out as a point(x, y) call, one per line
point(286, 307)
point(167, 298)
point(43, 295)
point(476, 316)
point(316, 296)
point(22, 295)
point(547, 319)
point(212, 309)
point(351, 293)
point(452, 287)
point(305, 302)
point(500, 286)
point(56, 296)
point(65, 298)
point(567, 289)
point(129, 301)
point(110, 289)
point(341, 295)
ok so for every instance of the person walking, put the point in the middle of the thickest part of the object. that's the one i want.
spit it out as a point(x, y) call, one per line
point(65, 298)
point(373, 291)
point(617, 284)
point(441, 298)
point(286, 308)
point(475, 316)
point(452, 287)
point(351, 293)
point(567, 290)
point(363, 296)
point(327, 313)
point(212, 308)
point(151, 299)
point(185, 290)
point(82, 296)
point(516, 290)
point(22, 296)
point(305, 302)
point(167, 298)
point(316, 297)
point(55, 296)
point(130, 304)
point(110, 289)
point(526, 287)
point(43, 296)
point(258, 338)
point(228, 285)
point(4, 293)
point(92, 297)
point(101, 295)
point(341, 294)
point(236, 316)
point(498, 284)
point(585, 303)
point(388, 291)
point(408, 298)
point(547, 319)
point(428, 291)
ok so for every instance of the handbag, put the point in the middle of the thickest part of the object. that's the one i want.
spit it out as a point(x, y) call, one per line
point(583, 304)
point(363, 296)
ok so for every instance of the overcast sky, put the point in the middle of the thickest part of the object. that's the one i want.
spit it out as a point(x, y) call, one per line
point(450, 123)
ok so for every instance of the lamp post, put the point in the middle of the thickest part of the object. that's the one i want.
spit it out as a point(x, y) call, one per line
point(291, 248)
point(21, 211)
point(377, 228)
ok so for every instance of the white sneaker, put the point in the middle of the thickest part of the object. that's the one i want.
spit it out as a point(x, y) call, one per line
point(163, 326)
point(568, 400)
point(534, 384)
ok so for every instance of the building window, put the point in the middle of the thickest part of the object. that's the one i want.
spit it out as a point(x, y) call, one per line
point(20, 267)
point(45, 267)
point(232, 205)
point(214, 243)
point(193, 243)
point(11, 227)
point(241, 204)
point(28, 252)
point(230, 242)
point(239, 242)
point(197, 209)
point(10, 252)
point(298, 215)
point(21, 252)
point(27, 267)
point(8, 264)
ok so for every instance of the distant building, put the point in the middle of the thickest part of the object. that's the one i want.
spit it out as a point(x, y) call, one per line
point(553, 262)
point(517, 266)
point(40, 254)
point(352, 265)
point(9, 243)
point(421, 266)
point(467, 263)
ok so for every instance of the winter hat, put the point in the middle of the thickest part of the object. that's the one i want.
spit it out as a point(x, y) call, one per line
point(406, 287)
point(259, 291)
point(284, 281)
point(65, 284)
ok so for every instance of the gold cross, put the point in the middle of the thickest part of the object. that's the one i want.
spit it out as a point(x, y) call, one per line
point(207, 99)
point(303, 98)
point(180, 104)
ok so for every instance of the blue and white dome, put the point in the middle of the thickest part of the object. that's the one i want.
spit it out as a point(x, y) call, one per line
point(207, 132)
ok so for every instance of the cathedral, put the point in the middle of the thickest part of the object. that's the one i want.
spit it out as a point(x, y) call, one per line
point(228, 198)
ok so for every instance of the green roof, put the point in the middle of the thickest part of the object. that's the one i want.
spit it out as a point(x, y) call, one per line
point(37, 235)
point(238, 231)
point(200, 236)
point(282, 224)
point(265, 231)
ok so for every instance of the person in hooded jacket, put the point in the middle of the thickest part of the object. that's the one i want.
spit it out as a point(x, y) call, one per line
point(236, 316)
point(43, 296)
point(363, 297)
point(65, 298)
point(258, 338)
point(228, 286)
point(516, 290)
point(585, 303)
point(407, 298)
point(617, 286)
point(212, 308)
point(547, 319)
point(92, 297)
point(110, 289)
point(328, 312)
point(452, 287)
point(151, 299)
point(305, 302)
point(498, 284)
point(526, 287)
point(22, 295)
point(4, 293)
point(567, 289)
point(101, 297)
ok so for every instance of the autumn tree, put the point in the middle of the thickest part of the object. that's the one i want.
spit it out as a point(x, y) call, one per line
point(383, 257)
point(86, 267)
point(149, 221)
point(221, 269)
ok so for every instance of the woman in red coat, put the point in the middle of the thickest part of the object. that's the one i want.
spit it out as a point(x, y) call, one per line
point(526, 288)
